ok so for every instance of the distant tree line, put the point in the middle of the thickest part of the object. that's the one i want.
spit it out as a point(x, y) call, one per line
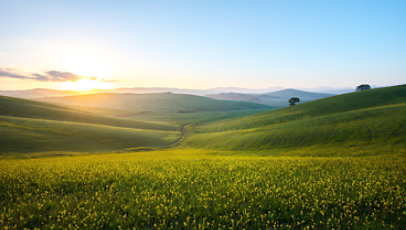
point(293, 101)
point(363, 87)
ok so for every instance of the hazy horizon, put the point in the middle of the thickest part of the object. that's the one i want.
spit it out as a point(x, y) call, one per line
point(220, 89)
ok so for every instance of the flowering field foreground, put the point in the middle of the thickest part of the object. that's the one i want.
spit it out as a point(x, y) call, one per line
point(193, 189)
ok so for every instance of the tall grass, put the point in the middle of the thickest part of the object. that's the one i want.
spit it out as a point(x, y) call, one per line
point(192, 189)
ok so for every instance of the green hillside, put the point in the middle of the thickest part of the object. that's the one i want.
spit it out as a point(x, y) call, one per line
point(336, 104)
point(22, 135)
point(31, 126)
point(156, 102)
point(16, 107)
point(373, 118)
point(368, 119)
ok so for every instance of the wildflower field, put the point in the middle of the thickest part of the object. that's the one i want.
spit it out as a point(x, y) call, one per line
point(188, 189)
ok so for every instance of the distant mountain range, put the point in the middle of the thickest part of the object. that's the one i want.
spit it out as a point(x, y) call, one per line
point(199, 92)
point(42, 92)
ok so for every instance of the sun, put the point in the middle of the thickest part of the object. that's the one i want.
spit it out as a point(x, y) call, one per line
point(85, 85)
point(86, 61)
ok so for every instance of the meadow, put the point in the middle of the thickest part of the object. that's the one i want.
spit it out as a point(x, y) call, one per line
point(333, 163)
point(196, 189)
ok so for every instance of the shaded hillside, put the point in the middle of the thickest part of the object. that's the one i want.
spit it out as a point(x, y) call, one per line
point(25, 135)
point(17, 107)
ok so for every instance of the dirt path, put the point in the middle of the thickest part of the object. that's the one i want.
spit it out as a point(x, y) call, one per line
point(179, 139)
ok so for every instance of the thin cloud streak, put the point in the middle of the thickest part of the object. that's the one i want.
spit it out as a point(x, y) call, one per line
point(50, 76)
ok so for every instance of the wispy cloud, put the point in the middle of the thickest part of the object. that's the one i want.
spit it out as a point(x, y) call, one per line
point(52, 75)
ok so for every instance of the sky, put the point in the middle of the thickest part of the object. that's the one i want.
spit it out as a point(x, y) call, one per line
point(201, 44)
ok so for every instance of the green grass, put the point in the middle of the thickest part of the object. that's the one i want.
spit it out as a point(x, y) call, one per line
point(24, 135)
point(194, 189)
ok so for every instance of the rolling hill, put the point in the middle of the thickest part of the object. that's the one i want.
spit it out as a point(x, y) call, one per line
point(25, 135)
point(31, 126)
point(17, 107)
point(176, 109)
point(34, 126)
point(155, 102)
point(369, 119)
point(278, 99)
point(362, 120)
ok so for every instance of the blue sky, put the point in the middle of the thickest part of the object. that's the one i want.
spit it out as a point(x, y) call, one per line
point(203, 44)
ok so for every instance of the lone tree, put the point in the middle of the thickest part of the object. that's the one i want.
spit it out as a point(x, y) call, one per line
point(363, 87)
point(293, 101)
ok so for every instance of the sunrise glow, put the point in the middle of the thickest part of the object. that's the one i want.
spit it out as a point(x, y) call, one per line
point(85, 84)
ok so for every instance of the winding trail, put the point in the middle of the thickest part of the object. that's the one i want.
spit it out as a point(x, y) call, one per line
point(179, 139)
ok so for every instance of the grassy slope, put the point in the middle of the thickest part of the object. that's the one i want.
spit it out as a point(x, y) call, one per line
point(16, 107)
point(31, 126)
point(372, 118)
point(158, 102)
point(23, 135)
point(325, 106)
